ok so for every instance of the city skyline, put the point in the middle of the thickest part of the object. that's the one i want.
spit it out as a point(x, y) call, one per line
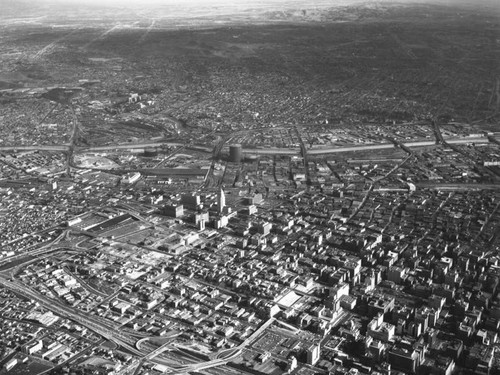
point(305, 188)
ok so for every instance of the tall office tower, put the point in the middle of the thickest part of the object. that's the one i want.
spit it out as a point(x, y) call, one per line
point(221, 200)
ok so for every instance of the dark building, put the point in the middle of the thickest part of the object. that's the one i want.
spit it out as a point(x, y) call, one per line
point(235, 153)
point(173, 210)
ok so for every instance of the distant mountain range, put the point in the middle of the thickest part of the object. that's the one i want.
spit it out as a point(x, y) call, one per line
point(186, 9)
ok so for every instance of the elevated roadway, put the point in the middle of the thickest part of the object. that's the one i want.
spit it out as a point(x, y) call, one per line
point(222, 357)
point(97, 325)
point(168, 338)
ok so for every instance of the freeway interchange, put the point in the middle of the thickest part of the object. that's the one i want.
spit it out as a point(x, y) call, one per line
point(100, 326)
point(113, 332)
point(120, 337)
point(125, 339)
point(115, 335)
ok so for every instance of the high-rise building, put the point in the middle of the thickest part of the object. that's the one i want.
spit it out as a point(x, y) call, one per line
point(313, 353)
point(191, 201)
point(235, 153)
point(221, 200)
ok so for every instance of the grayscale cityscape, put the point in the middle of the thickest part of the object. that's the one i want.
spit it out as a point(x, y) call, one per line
point(249, 187)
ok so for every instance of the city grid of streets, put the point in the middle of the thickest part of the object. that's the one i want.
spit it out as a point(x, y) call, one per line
point(298, 195)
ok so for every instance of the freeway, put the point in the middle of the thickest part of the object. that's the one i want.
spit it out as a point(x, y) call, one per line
point(68, 147)
point(47, 248)
point(224, 356)
point(15, 263)
point(129, 146)
point(168, 337)
point(148, 357)
point(456, 141)
point(181, 147)
point(329, 150)
point(254, 335)
point(456, 186)
point(36, 148)
point(249, 151)
point(405, 146)
point(271, 151)
point(161, 349)
point(205, 365)
point(102, 328)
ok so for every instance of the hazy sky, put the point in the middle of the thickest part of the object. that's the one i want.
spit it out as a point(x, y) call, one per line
point(253, 3)
point(196, 8)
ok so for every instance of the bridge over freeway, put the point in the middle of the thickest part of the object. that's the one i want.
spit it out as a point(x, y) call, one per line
point(225, 356)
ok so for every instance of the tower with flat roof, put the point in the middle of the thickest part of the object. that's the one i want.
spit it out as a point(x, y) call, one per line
point(235, 153)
